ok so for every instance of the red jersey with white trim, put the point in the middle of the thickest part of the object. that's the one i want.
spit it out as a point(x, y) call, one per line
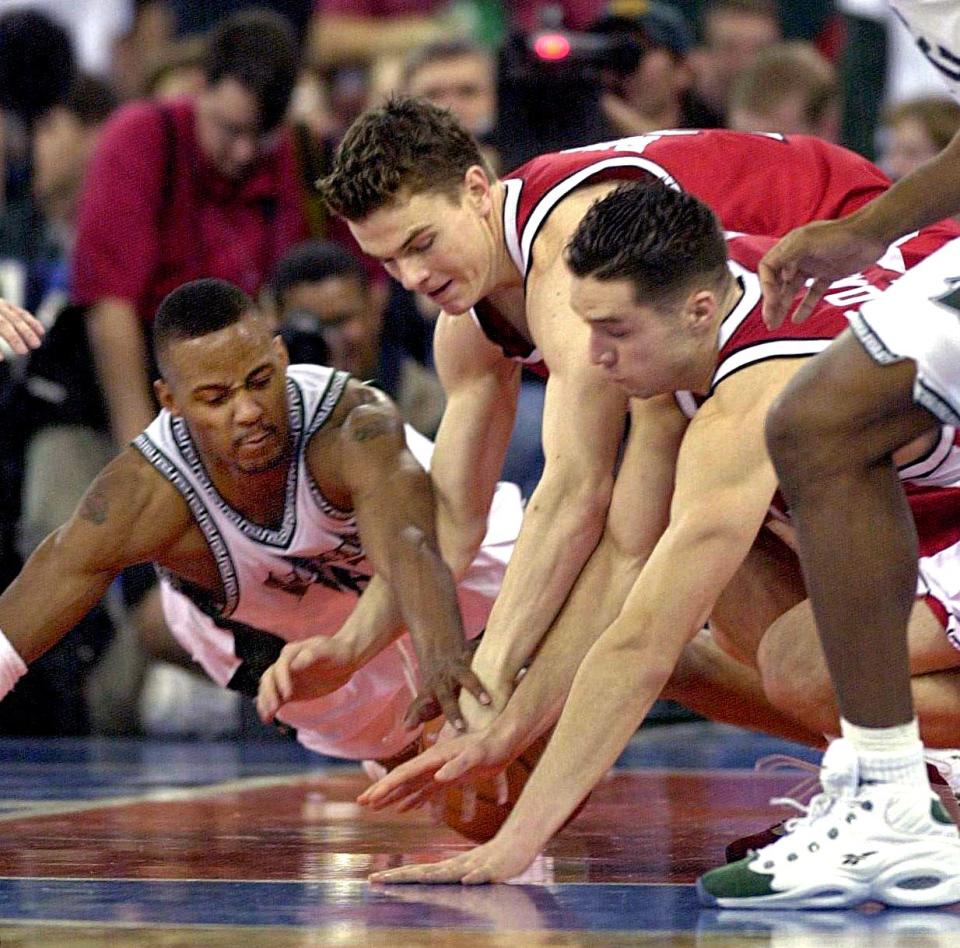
point(755, 183)
point(932, 482)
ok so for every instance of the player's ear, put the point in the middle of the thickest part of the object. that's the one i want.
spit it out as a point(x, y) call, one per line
point(280, 348)
point(701, 309)
point(165, 396)
point(477, 187)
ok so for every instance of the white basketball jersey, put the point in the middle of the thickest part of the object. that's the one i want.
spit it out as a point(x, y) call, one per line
point(935, 25)
point(301, 578)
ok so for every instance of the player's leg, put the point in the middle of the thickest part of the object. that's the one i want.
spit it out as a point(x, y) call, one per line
point(717, 675)
point(832, 436)
point(796, 677)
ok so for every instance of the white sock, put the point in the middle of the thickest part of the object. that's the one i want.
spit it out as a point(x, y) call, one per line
point(888, 754)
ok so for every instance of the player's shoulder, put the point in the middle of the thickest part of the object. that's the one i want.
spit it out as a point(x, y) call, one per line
point(361, 403)
point(137, 511)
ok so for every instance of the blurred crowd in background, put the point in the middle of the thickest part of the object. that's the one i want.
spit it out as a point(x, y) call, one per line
point(144, 143)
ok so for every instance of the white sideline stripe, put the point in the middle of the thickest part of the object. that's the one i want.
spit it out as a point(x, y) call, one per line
point(170, 795)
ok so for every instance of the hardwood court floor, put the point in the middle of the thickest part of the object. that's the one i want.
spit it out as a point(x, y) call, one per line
point(139, 843)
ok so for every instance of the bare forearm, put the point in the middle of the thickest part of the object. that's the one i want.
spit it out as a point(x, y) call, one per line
point(929, 194)
point(611, 694)
point(593, 605)
point(556, 540)
point(120, 357)
point(46, 600)
point(373, 624)
point(426, 596)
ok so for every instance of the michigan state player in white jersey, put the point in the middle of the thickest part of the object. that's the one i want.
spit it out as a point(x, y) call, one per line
point(270, 497)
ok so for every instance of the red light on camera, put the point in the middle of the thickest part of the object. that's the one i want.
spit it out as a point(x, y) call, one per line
point(552, 46)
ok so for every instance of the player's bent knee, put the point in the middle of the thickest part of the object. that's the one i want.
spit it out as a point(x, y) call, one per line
point(795, 685)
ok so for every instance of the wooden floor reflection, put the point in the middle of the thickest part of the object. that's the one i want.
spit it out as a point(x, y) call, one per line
point(202, 846)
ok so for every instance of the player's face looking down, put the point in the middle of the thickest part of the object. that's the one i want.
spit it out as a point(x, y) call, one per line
point(648, 349)
point(230, 388)
point(433, 243)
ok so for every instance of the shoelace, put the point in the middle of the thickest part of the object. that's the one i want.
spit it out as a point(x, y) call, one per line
point(819, 806)
point(804, 790)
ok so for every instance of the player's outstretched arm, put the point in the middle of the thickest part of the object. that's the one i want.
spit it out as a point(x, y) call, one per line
point(393, 501)
point(639, 515)
point(481, 387)
point(583, 422)
point(18, 329)
point(128, 514)
point(723, 486)
point(829, 250)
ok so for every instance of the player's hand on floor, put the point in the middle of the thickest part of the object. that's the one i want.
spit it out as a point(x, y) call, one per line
point(19, 329)
point(464, 759)
point(497, 861)
point(309, 669)
point(442, 675)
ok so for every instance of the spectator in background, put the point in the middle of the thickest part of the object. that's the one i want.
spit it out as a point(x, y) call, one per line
point(656, 93)
point(187, 189)
point(458, 75)
point(331, 313)
point(178, 70)
point(37, 235)
point(916, 131)
point(365, 41)
point(37, 231)
point(789, 88)
point(733, 33)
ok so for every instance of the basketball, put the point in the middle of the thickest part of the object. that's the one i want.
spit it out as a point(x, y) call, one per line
point(480, 818)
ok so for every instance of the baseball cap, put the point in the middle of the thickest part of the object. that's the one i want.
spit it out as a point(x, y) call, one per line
point(657, 23)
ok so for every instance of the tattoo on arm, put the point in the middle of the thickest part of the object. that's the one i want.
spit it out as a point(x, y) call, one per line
point(370, 427)
point(94, 506)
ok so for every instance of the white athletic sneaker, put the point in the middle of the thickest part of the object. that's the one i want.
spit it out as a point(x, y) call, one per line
point(854, 843)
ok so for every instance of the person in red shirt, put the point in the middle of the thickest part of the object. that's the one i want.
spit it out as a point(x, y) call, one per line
point(184, 190)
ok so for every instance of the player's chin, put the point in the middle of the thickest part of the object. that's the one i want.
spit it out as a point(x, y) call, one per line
point(261, 464)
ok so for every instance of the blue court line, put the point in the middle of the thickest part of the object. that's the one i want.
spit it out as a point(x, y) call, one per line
point(573, 907)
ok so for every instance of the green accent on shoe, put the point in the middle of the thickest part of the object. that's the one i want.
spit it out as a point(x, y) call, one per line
point(939, 814)
point(736, 881)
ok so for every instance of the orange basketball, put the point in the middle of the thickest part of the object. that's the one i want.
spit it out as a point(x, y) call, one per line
point(480, 819)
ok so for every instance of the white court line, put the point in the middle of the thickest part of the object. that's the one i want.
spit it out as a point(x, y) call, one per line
point(170, 795)
point(26, 809)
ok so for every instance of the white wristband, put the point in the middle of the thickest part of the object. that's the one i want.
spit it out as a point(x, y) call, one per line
point(12, 666)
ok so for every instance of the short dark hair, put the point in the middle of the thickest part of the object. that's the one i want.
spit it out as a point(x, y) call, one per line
point(258, 49)
point(196, 309)
point(90, 99)
point(406, 144)
point(660, 239)
point(314, 261)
